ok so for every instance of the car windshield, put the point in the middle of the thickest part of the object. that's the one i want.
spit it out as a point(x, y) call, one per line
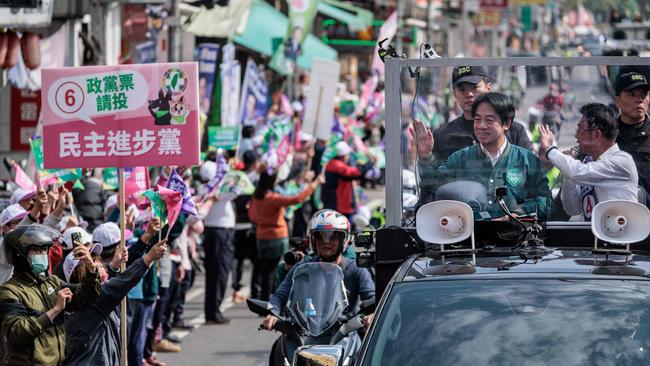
point(506, 322)
point(317, 297)
point(485, 122)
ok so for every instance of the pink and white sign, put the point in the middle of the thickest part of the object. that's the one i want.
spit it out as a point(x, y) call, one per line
point(121, 116)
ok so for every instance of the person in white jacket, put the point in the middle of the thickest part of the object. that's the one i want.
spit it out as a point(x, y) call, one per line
point(607, 173)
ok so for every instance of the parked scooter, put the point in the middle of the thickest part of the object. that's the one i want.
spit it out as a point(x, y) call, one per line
point(315, 326)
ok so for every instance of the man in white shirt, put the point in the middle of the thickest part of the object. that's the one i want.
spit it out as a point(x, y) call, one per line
point(219, 220)
point(607, 173)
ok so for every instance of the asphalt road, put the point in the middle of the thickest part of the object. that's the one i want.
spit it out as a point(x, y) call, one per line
point(238, 343)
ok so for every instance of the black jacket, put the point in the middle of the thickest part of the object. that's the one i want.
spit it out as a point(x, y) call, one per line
point(93, 334)
point(90, 202)
point(635, 140)
point(459, 134)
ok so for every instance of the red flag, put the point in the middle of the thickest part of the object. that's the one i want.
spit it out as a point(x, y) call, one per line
point(22, 179)
point(173, 202)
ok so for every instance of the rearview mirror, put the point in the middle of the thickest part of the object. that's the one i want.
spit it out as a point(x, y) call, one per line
point(259, 307)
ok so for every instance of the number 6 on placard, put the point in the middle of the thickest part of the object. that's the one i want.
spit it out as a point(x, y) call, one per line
point(69, 97)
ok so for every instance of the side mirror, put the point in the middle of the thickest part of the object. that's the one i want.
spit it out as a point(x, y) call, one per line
point(259, 307)
point(320, 355)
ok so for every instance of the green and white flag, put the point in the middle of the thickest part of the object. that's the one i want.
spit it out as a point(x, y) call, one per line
point(50, 176)
point(111, 180)
point(158, 206)
point(330, 149)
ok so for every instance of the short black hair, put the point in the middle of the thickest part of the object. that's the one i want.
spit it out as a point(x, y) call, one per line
point(248, 132)
point(501, 103)
point(600, 116)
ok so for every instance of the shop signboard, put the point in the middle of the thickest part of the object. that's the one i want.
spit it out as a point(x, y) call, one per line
point(25, 109)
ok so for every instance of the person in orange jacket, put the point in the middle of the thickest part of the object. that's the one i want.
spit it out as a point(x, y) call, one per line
point(272, 233)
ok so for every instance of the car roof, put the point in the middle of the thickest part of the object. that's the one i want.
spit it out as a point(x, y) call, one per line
point(564, 262)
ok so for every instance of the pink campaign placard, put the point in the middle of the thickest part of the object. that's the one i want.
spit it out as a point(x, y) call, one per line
point(121, 116)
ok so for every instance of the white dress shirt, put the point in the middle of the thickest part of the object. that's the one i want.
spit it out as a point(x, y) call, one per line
point(497, 156)
point(612, 177)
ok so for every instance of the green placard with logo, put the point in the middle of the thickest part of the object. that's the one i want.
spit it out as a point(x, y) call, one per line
point(223, 137)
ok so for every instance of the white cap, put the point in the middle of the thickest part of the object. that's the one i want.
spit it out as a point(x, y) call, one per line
point(67, 236)
point(70, 263)
point(296, 106)
point(11, 213)
point(111, 202)
point(21, 194)
point(306, 137)
point(208, 170)
point(108, 234)
point(342, 148)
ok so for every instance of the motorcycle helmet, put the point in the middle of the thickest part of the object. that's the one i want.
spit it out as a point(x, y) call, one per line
point(19, 241)
point(329, 223)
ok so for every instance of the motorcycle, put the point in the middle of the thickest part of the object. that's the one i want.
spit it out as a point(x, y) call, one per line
point(315, 326)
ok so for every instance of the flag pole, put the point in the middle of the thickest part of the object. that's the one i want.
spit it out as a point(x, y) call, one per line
point(122, 201)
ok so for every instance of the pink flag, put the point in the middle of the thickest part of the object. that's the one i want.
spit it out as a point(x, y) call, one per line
point(173, 201)
point(283, 150)
point(387, 30)
point(285, 106)
point(136, 181)
point(22, 179)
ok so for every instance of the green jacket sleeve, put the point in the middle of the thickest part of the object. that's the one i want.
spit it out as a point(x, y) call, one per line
point(23, 329)
point(537, 191)
point(434, 173)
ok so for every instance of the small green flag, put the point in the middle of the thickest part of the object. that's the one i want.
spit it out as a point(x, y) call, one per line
point(239, 179)
point(79, 185)
point(110, 179)
point(158, 206)
point(330, 150)
point(65, 175)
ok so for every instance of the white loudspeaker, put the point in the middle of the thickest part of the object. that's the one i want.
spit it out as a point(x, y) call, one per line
point(620, 222)
point(445, 222)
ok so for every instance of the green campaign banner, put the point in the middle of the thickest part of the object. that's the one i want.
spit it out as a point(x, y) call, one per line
point(301, 20)
point(223, 137)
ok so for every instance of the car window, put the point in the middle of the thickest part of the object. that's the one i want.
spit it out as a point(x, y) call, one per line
point(504, 322)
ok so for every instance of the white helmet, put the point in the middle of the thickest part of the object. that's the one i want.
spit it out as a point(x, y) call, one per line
point(329, 221)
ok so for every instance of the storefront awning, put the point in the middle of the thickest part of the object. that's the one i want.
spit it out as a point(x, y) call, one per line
point(265, 23)
point(220, 21)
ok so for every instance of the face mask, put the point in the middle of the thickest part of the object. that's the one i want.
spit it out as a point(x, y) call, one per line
point(39, 263)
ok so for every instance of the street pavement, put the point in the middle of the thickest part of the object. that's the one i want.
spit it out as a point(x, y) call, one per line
point(238, 343)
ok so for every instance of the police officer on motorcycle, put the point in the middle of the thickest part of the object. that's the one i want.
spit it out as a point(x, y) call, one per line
point(329, 236)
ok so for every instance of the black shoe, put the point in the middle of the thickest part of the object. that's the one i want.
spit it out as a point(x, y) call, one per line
point(182, 325)
point(217, 321)
point(173, 338)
